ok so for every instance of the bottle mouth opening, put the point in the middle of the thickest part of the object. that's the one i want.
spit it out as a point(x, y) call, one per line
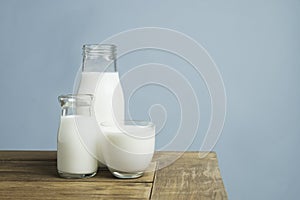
point(98, 50)
point(78, 99)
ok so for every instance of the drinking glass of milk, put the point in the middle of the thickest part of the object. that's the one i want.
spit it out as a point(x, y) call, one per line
point(128, 147)
point(74, 158)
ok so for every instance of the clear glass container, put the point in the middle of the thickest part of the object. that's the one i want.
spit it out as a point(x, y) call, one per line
point(99, 58)
point(100, 77)
point(128, 148)
point(73, 158)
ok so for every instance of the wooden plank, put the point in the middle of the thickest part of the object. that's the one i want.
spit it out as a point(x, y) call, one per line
point(27, 155)
point(46, 171)
point(32, 175)
point(74, 190)
point(189, 178)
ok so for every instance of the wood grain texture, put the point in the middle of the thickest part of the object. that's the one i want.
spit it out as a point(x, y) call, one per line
point(27, 155)
point(32, 175)
point(190, 177)
point(46, 171)
point(74, 190)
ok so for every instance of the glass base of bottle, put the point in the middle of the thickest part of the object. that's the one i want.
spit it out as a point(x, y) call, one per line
point(75, 176)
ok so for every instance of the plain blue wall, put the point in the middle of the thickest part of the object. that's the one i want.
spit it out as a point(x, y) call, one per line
point(255, 44)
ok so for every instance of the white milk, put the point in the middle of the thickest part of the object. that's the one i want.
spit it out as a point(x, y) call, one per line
point(128, 153)
point(72, 156)
point(108, 97)
point(108, 94)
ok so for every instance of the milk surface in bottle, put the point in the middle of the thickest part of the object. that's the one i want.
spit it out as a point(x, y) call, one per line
point(100, 77)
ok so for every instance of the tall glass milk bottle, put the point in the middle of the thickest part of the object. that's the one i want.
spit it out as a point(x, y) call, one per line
point(74, 157)
point(100, 77)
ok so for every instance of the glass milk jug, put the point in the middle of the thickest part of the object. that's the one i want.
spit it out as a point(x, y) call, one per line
point(74, 159)
point(100, 77)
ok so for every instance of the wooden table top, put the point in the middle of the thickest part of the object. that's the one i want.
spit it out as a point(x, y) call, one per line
point(32, 175)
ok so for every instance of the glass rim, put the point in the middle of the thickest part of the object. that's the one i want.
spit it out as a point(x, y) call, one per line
point(99, 46)
point(140, 123)
point(95, 51)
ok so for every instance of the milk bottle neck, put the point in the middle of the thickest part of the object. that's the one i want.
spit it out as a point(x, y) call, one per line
point(99, 58)
point(75, 104)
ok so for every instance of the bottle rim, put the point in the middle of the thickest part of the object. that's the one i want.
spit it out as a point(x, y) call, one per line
point(96, 50)
point(84, 99)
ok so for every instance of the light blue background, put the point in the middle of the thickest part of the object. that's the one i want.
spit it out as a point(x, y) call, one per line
point(255, 44)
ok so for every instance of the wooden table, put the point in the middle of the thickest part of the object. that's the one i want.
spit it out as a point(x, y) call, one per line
point(32, 175)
